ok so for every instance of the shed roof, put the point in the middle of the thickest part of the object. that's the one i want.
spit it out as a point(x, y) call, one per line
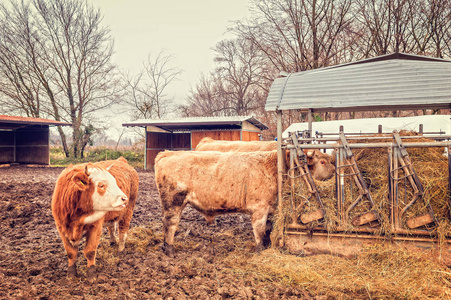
point(395, 81)
point(199, 123)
point(12, 122)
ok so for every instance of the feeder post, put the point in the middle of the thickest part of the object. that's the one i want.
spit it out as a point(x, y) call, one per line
point(310, 121)
point(280, 167)
point(390, 187)
point(449, 176)
point(280, 156)
point(395, 187)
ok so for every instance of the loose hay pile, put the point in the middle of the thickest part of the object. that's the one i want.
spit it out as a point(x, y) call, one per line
point(429, 163)
point(382, 272)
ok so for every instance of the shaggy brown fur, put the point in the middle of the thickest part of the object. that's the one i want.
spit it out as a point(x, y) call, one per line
point(71, 203)
point(216, 183)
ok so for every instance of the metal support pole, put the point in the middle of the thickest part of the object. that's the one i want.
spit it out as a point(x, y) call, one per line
point(449, 176)
point(15, 147)
point(280, 166)
point(145, 149)
point(310, 121)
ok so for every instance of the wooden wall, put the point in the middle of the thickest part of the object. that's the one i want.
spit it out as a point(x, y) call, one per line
point(250, 136)
point(224, 135)
point(27, 146)
point(160, 141)
point(6, 147)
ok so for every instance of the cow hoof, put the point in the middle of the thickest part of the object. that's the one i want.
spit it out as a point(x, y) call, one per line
point(168, 250)
point(72, 272)
point(113, 243)
point(91, 274)
point(259, 248)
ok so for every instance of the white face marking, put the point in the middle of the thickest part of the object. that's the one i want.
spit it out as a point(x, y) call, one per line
point(107, 195)
point(94, 217)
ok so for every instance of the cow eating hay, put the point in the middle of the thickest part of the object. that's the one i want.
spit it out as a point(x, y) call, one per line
point(321, 165)
point(216, 183)
point(88, 196)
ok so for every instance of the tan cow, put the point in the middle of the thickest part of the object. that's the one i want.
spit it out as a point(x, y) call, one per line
point(216, 183)
point(89, 196)
point(321, 165)
point(209, 144)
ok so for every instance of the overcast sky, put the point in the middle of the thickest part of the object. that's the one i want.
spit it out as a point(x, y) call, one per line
point(187, 29)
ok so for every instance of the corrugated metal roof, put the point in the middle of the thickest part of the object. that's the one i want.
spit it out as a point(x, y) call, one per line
point(30, 121)
point(198, 123)
point(396, 81)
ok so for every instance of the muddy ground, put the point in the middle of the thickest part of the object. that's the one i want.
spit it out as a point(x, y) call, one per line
point(33, 263)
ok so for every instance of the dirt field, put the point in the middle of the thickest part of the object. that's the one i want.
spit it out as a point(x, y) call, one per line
point(212, 262)
point(33, 262)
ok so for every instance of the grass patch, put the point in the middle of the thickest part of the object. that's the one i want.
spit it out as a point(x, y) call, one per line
point(134, 156)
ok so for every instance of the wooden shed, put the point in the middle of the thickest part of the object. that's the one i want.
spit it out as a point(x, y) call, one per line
point(25, 140)
point(186, 133)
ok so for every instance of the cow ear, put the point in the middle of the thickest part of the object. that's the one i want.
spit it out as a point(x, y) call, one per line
point(86, 170)
point(109, 168)
point(334, 156)
point(81, 181)
point(310, 153)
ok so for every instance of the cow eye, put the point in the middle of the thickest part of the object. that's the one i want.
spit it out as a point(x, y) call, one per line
point(323, 162)
point(101, 185)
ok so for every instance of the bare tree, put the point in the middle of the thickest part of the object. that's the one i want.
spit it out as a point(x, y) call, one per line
point(65, 56)
point(297, 35)
point(148, 90)
point(235, 87)
point(204, 99)
point(19, 86)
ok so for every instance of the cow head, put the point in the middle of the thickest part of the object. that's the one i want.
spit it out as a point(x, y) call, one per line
point(321, 165)
point(106, 195)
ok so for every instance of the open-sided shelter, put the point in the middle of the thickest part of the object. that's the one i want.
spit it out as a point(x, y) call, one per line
point(391, 82)
point(395, 81)
point(25, 140)
point(186, 133)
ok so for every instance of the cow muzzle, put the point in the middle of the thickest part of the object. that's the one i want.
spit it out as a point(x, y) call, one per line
point(124, 200)
point(121, 202)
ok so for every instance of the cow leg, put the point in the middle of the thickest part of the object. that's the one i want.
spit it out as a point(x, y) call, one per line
point(124, 225)
point(111, 231)
point(210, 220)
point(171, 219)
point(92, 242)
point(258, 220)
point(71, 252)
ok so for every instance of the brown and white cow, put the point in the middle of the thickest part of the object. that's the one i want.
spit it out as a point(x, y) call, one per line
point(216, 183)
point(321, 165)
point(89, 196)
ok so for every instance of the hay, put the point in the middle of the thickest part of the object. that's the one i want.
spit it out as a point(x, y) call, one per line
point(429, 163)
point(381, 272)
